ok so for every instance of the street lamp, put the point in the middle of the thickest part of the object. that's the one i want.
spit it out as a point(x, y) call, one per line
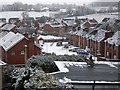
point(25, 46)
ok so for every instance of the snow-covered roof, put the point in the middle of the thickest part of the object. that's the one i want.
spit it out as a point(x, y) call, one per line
point(2, 34)
point(99, 36)
point(77, 32)
point(69, 22)
point(1, 24)
point(49, 37)
point(55, 24)
point(8, 27)
point(97, 16)
point(90, 33)
point(115, 39)
point(6, 37)
point(11, 39)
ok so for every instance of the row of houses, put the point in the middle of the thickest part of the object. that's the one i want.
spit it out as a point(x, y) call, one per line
point(16, 36)
point(102, 40)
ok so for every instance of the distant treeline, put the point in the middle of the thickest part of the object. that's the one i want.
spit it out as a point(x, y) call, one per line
point(103, 4)
point(70, 9)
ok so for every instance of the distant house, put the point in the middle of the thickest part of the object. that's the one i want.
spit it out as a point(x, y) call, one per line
point(90, 23)
point(12, 20)
point(40, 22)
point(15, 21)
point(16, 48)
point(53, 26)
point(3, 20)
point(29, 30)
point(28, 22)
point(69, 23)
point(112, 47)
point(9, 27)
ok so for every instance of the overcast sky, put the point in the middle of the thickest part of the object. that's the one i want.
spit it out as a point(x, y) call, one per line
point(79, 2)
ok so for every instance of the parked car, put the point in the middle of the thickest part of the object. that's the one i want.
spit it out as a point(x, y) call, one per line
point(82, 52)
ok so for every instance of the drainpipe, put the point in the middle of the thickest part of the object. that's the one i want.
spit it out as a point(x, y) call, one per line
point(105, 49)
point(25, 46)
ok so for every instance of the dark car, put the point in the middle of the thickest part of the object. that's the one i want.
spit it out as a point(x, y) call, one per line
point(82, 52)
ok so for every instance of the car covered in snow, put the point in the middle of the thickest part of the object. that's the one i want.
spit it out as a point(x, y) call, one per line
point(74, 49)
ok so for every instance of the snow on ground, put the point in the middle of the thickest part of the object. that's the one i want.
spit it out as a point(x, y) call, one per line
point(67, 80)
point(58, 50)
point(111, 64)
point(62, 65)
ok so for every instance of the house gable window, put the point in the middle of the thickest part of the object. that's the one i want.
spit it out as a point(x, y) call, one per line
point(13, 53)
point(22, 52)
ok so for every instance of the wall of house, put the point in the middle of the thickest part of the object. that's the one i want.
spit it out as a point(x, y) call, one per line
point(18, 58)
point(47, 28)
point(37, 51)
point(75, 40)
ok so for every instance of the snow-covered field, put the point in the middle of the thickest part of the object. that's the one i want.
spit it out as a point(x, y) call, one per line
point(97, 16)
point(17, 14)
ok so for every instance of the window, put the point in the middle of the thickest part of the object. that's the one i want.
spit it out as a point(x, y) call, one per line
point(22, 52)
point(13, 53)
point(107, 53)
point(115, 57)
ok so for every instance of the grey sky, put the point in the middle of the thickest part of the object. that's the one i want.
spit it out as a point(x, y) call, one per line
point(79, 2)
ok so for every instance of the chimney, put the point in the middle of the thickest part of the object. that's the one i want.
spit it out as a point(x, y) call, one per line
point(31, 39)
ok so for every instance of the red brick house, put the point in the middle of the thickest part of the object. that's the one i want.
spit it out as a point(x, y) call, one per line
point(53, 26)
point(16, 48)
point(112, 47)
point(90, 23)
point(9, 27)
point(69, 23)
